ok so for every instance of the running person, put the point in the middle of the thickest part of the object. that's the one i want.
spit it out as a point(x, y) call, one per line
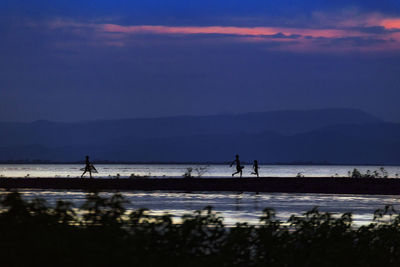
point(88, 168)
point(239, 168)
point(255, 168)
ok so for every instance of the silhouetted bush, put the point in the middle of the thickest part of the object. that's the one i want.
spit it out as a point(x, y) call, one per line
point(102, 233)
point(381, 173)
point(188, 173)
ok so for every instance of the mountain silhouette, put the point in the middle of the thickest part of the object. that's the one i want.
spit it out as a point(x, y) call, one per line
point(332, 135)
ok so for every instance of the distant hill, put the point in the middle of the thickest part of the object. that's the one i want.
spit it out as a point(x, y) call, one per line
point(333, 135)
point(112, 131)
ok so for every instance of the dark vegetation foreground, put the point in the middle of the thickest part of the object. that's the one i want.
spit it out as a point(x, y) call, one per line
point(102, 233)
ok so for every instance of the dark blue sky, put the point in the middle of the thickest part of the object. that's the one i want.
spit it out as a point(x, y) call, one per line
point(75, 60)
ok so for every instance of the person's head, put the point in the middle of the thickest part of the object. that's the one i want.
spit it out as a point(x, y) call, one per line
point(255, 161)
point(237, 155)
point(87, 157)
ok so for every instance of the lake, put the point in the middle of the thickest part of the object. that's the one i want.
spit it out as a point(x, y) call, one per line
point(177, 170)
point(234, 207)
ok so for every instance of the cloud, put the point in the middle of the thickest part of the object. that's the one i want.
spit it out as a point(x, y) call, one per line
point(353, 41)
point(373, 29)
point(391, 23)
point(367, 31)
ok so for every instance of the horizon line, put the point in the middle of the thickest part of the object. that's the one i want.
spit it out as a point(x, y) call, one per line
point(199, 115)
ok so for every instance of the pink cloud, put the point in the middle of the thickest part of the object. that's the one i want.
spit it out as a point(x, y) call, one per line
point(227, 30)
point(391, 23)
point(337, 34)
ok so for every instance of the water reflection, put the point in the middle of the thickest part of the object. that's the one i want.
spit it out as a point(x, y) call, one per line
point(177, 170)
point(236, 207)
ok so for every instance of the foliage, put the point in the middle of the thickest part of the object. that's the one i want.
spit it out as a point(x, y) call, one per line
point(102, 233)
point(381, 173)
point(201, 170)
point(134, 175)
point(188, 173)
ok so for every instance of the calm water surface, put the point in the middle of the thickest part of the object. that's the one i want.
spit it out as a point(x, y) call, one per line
point(177, 170)
point(234, 207)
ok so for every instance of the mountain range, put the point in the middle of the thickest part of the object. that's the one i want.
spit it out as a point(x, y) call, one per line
point(337, 136)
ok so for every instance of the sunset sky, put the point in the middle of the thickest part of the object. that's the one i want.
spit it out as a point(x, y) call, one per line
point(72, 60)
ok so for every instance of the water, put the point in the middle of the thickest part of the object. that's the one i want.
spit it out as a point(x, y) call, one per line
point(234, 207)
point(177, 170)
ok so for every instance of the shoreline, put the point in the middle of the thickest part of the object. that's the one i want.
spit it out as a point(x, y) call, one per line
point(324, 185)
point(195, 163)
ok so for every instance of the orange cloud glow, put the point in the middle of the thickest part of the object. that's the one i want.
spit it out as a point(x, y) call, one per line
point(340, 34)
point(391, 23)
point(228, 30)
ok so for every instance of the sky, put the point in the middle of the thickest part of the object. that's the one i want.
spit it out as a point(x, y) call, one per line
point(75, 60)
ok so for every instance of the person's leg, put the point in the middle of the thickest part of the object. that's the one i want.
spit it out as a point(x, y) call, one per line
point(241, 172)
point(90, 172)
point(83, 173)
point(234, 173)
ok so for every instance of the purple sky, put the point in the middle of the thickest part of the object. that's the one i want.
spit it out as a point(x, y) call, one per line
point(81, 60)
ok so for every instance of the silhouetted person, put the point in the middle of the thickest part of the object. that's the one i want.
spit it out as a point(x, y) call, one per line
point(255, 168)
point(239, 168)
point(88, 168)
